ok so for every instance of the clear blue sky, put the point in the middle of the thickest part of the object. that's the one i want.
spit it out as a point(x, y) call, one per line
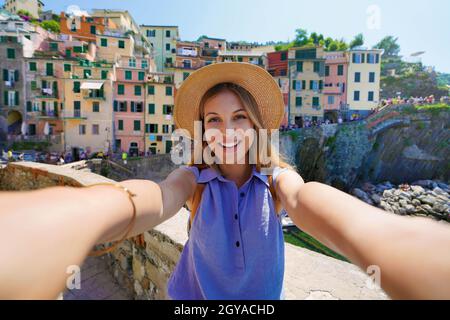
point(420, 25)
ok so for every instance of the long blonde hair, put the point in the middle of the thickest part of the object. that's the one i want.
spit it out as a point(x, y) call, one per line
point(252, 109)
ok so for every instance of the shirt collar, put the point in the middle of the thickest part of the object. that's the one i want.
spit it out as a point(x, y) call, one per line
point(210, 173)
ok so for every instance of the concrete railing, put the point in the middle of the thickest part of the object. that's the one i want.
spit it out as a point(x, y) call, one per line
point(143, 264)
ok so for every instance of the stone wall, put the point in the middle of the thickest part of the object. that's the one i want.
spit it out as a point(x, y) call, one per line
point(144, 263)
point(399, 145)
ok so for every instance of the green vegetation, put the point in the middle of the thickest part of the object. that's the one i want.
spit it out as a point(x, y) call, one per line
point(293, 134)
point(302, 39)
point(301, 239)
point(420, 125)
point(51, 25)
point(28, 145)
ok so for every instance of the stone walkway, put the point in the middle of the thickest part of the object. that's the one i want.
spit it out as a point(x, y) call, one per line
point(96, 283)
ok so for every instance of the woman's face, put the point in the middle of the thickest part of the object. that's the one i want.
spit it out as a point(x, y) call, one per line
point(226, 123)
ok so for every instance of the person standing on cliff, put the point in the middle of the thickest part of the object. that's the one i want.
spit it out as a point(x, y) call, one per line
point(236, 247)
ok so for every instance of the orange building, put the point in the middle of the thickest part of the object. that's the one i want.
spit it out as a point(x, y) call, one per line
point(85, 28)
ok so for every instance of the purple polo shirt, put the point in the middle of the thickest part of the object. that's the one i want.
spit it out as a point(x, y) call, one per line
point(236, 246)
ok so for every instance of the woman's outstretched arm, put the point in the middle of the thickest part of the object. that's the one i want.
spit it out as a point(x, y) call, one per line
point(44, 232)
point(412, 253)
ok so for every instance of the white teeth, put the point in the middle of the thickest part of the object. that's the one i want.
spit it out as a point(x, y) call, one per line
point(229, 145)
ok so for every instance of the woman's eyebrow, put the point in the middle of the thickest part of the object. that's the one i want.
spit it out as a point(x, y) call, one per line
point(239, 110)
point(211, 113)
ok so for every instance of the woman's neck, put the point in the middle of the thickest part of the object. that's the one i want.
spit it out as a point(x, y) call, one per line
point(239, 173)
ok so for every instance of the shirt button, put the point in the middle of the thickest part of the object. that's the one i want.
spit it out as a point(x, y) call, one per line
point(237, 243)
point(235, 216)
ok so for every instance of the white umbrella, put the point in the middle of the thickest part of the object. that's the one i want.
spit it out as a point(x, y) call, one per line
point(47, 129)
point(24, 128)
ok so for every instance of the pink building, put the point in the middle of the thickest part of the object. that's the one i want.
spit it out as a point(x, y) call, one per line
point(129, 104)
point(335, 87)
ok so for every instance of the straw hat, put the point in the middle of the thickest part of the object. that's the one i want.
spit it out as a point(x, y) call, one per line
point(257, 81)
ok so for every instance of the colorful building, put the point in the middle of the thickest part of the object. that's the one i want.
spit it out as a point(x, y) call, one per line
point(84, 28)
point(277, 66)
point(363, 92)
point(163, 40)
point(335, 86)
point(307, 76)
point(159, 123)
point(87, 114)
point(34, 7)
point(129, 104)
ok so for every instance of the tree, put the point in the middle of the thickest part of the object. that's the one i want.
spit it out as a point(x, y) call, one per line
point(301, 38)
point(357, 41)
point(389, 45)
point(51, 25)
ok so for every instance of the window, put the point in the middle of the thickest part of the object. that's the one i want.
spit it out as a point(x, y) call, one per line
point(120, 89)
point(32, 66)
point(151, 108)
point(327, 71)
point(340, 70)
point(330, 99)
point(53, 46)
point(371, 58)
point(283, 56)
point(93, 30)
point(121, 44)
point(283, 72)
point(299, 66)
point(315, 101)
point(104, 74)
point(123, 106)
point(141, 76)
point(128, 75)
point(151, 33)
point(316, 66)
point(370, 98)
point(49, 69)
point(11, 53)
point(67, 67)
point(95, 106)
point(167, 46)
point(139, 107)
point(82, 129)
point(153, 128)
point(87, 73)
point(137, 125)
point(372, 77)
point(151, 90)
point(314, 85)
point(76, 87)
point(298, 101)
point(167, 33)
point(95, 129)
point(104, 42)
point(165, 128)
point(168, 91)
point(33, 85)
point(357, 76)
point(185, 75)
point(144, 64)
point(137, 90)
point(29, 106)
point(120, 125)
point(167, 109)
point(132, 62)
point(356, 95)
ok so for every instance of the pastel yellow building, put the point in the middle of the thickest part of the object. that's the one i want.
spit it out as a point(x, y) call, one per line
point(363, 80)
point(159, 123)
point(111, 47)
point(34, 7)
point(307, 74)
point(88, 112)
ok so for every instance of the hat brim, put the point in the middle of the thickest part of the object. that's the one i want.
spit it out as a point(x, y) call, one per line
point(256, 80)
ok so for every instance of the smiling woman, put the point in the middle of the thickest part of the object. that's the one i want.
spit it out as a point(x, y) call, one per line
point(236, 247)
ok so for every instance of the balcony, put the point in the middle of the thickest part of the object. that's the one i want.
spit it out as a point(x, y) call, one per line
point(93, 95)
point(10, 83)
point(48, 93)
point(332, 90)
point(187, 52)
point(76, 115)
point(48, 114)
point(165, 78)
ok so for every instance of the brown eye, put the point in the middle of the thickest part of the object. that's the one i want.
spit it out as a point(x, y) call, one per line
point(213, 120)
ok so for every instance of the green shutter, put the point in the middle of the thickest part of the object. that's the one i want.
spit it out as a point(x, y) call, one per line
point(104, 42)
point(11, 53)
point(115, 106)
point(128, 75)
point(120, 89)
point(121, 44)
point(5, 98)
point(151, 90)
point(141, 76)
point(29, 106)
point(67, 67)
point(76, 87)
point(137, 90)
point(151, 108)
point(294, 82)
point(5, 75)
point(17, 98)
point(32, 66)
